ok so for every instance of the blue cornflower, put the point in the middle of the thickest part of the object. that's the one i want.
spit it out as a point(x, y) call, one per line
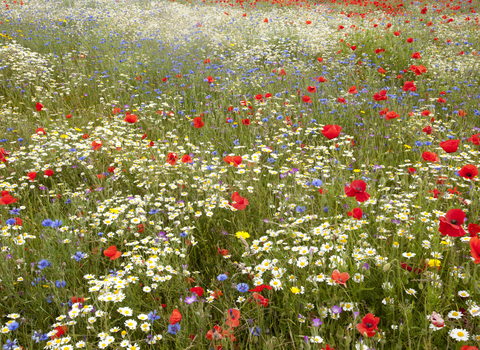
point(36, 336)
point(271, 160)
point(153, 211)
point(418, 143)
point(57, 223)
point(300, 209)
point(47, 223)
point(183, 234)
point(243, 287)
point(236, 142)
point(43, 264)
point(10, 344)
point(68, 201)
point(255, 331)
point(60, 284)
point(427, 143)
point(13, 326)
point(15, 211)
point(174, 328)
point(325, 209)
point(152, 316)
point(214, 153)
point(79, 256)
point(222, 277)
point(10, 222)
point(317, 182)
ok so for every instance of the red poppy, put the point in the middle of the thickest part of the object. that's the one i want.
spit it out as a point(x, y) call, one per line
point(175, 317)
point(233, 318)
point(380, 96)
point(97, 145)
point(396, 33)
point(77, 300)
point(187, 159)
point(38, 106)
point(416, 55)
point(441, 100)
point(474, 230)
point(215, 333)
point(451, 223)
point(197, 290)
point(40, 131)
point(424, 11)
point(112, 253)
point(357, 189)
point(7, 198)
point(410, 40)
point(240, 203)
point(172, 158)
point(340, 278)
point(435, 193)
point(116, 110)
point(131, 118)
point(462, 113)
point(48, 172)
point(246, 121)
point(321, 79)
point(352, 90)
point(59, 331)
point(308, 22)
point(198, 123)
point(341, 100)
point(311, 89)
point(32, 175)
point(475, 139)
point(450, 146)
point(356, 213)
point(412, 170)
point(260, 299)
point(409, 86)
point(468, 171)
point(418, 70)
point(475, 249)
point(407, 267)
point(353, 47)
point(306, 99)
point(210, 79)
point(391, 115)
point(68, 116)
point(428, 130)
point(85, 136)
point(111, 169)
point(368, 325)
point(426, 113)
point(260, 288)
point(265, 20)
point(235, 160)
point(468, 347)
point(437, 320)
point(319, 59)
point(331, 131)
point(430, 156)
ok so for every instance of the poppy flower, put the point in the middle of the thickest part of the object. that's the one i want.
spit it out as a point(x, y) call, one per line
point(462, 113)
point(77, 300)
point(260, 299)
point(112, 253)
point(111, 169)
point(475, 249)
point(428, 130)
point(451, 223)
point(259, 97)
point(260, 288)
point(341, 100)
point(426, 113)
point(187, 159)
point(308, 22)
point(175, 317)
point(235, 160)
point(40, 131)
point(437, 320)
point(450, 146)
point(409, 86)
point(397, 33)
point(68, 116)
point(233, 318)
point(172, 158)
point(198, 123)
point(407, 267)
point(467, 347)
point(353, 47)
point(357, 189)
point(240, 203)
point(320, 59)
point(38, 106)
point(441, 100)
point(430, 156)
point(391, 115)
point(321, 79)
point(48, 172)
point(416, 55)
point(215, 333)
point(265, 20)
point(59, 331)
point(412, 170)
point(356, 213)
point(85, 136)
point(306, 99)
point(97, 145)
point(435, 193)
point(352, 90)
point(210, 79)
point(311, 89)
point(424, 11)
point(368, 325)
point(468, 171)
point(331, 131)
point(197, 290)
point(380, 96)
point(474, 230)
point(116, 110)
point(340, 278)
point(418, 70)
point(246, 121)
point(32, 175)
point(475, 139)
point(410, 40)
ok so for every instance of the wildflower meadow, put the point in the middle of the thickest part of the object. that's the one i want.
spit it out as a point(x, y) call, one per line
point(284, 174)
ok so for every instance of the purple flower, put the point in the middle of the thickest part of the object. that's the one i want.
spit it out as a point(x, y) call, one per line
point(317, 322)
point(336, 309)
point(191, 299)
point(366, 266)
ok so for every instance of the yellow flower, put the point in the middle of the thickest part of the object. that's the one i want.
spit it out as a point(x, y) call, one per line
point(434, 262)
point(295, 290)
point(242, 234)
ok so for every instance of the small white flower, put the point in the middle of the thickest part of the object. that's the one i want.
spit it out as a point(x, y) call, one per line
point(459, 334)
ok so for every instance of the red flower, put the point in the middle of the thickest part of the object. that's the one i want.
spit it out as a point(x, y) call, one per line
point(96, 145)
point(340, 27)
point(468, 171)
point(198, 123)
point(381, 96)
point(175, 317)
point(342, 100)
point(260, 299)
point(311, 89)
point(430, 156)
point(435, 193)
point(397, 33)
point(357, 189)
point(391, 115)
point(40, 131)
point(450, 146)
point(467, 347)
point(441, 100)
point(7, 198)
point(112, 253)
point(340, 278)
point(424, 11)
point(59, 331)
point(416, 55)
point(240, 203)
point(260, 288)
point(246, 121)
point(38, 106)
point(418, 70)
point(368, 325)
point(77, 300)
point(235, 160)
point(410, 40)
point(68, 116)
point(48, 172)
point(187, 159)
point(319, 59)
point(321, 79)
point(306, 99)
point(233, 318)
point(475, 139)
point(265, 20)
point(407, 267)
point(426, 113)
point(428, 130)
point(131, 118)
point(475, 249)
point(352, 90)
point(451, 223)
point(382, 71)
point(412, 170)
point(259, 97)
point(111, 169)
point(215, 333)
point(210, 79)
point(85, 136)
point(331, 131)
point(116, 110)
point(437, 320)
point(474, 230)
point(32, 175)
point(353, 47)
point(409, 86)
point(172, 158)
point(356, 213)
point(197, 290)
